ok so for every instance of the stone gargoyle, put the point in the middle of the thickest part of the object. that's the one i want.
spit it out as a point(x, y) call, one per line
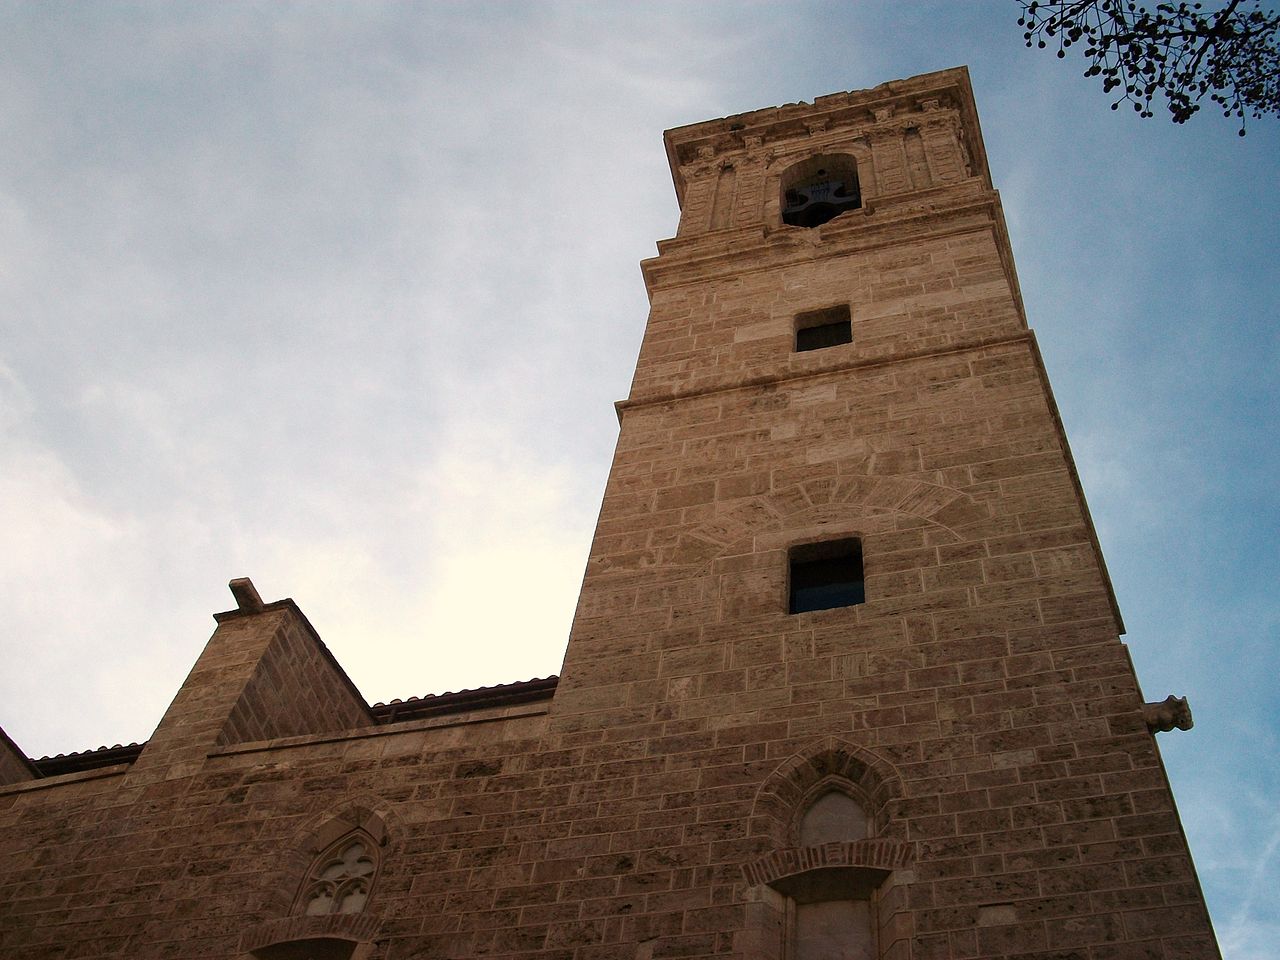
point(1164, 715)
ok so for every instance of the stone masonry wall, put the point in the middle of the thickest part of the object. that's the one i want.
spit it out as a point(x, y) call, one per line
point(294, 690)
point(185, 867)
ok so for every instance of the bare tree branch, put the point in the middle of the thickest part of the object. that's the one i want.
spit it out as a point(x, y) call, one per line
point(1231, 55)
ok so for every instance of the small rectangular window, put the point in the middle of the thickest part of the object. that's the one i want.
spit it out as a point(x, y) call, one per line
point(823, 328)
point(826, 575)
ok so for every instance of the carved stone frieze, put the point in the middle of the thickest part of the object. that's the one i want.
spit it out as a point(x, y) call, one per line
point(704, 165)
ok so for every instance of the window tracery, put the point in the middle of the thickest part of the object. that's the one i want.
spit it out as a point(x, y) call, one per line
point(323, 912)
point(341, 877)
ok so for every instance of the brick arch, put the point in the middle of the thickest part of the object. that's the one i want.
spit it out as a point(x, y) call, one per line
point(880, 856)
point(357, 932)
point(795, 781)
point(942, 507)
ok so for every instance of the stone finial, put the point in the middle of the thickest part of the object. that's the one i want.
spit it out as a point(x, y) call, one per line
point(1167, 714)
point(246, 594)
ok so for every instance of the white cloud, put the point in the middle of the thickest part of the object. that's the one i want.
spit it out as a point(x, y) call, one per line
point(479, 588)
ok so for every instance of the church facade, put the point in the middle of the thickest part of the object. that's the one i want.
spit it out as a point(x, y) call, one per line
point(844, 682)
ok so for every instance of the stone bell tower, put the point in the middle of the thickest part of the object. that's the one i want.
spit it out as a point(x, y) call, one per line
point(846, 665)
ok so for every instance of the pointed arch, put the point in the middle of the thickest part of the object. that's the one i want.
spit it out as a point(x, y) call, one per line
point(828, 764)
point(317, 901)
point(365, 813)
point(365, 816)
point(841, 883)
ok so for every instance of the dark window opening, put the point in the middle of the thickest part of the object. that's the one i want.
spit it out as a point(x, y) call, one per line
point(823, 328)
point(822, 196)
point(826, 575)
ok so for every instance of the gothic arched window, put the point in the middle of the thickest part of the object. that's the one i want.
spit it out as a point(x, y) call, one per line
point(341, 877)
point(320, 912)
point(829, 886)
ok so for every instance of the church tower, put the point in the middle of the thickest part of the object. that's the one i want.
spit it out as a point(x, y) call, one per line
point(846, 655)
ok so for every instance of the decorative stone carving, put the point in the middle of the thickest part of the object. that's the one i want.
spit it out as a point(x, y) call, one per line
point(1167, 714)
point(340, 878)
point(890, 160)
point(944, 140)
point(750, 186)
point(706, 163)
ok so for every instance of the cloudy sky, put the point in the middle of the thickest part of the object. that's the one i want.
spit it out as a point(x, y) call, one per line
point(338, 297)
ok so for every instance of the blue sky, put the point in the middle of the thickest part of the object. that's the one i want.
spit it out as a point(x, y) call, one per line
point(339, 296)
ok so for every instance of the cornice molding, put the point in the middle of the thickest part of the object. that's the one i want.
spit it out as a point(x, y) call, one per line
point(944, 96)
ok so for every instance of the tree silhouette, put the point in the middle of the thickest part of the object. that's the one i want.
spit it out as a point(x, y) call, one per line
point(1230, 55)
